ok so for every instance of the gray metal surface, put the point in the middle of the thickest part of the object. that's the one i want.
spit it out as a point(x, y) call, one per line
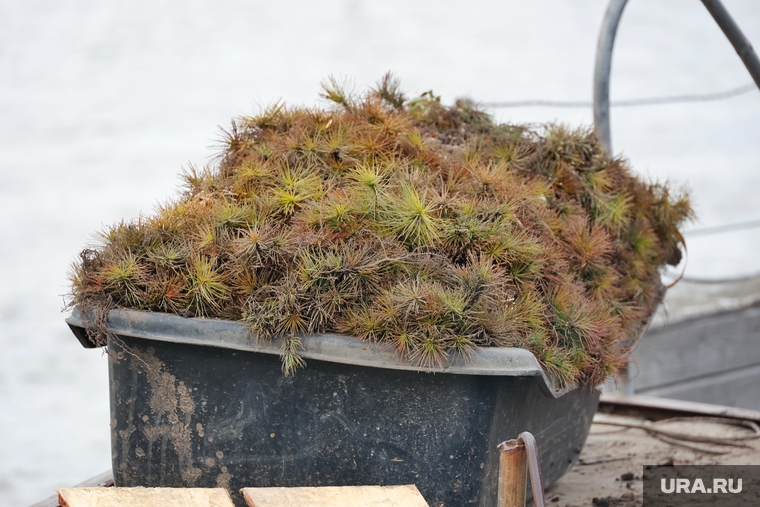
point(714, 358)
point(697, 348)
point(734, 388)
point(503, 362)
point(688, 301)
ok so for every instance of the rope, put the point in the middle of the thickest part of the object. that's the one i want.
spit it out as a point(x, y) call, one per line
point(652, 101)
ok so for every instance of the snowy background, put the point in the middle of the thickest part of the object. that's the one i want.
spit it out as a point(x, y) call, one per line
point(102, 103)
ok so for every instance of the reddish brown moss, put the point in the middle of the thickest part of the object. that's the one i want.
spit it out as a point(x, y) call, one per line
point(428, 227)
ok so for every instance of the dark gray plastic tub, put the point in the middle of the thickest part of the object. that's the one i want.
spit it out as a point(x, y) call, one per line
point(197, 402)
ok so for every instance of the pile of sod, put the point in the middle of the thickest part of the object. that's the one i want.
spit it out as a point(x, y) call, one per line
point(429, 228)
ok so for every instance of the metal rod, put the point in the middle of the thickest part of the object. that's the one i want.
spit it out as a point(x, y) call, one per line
point(603, 69)
point(603, 66)
point(513, 474)
point(536, 480)
point(736, 37)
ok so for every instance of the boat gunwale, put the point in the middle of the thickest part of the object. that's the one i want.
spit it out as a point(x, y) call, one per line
point(328, 347)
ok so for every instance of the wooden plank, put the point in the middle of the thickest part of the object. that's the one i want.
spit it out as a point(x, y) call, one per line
point(336, 496)
point(103, 480)
point(144, 497)
point(670, 408)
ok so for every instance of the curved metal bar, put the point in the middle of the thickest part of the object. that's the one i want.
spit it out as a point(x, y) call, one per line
point(734, 34)
point(603, 66)
point(602, 70)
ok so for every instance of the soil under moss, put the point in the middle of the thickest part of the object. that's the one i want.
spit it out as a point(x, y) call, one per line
point(430, 228)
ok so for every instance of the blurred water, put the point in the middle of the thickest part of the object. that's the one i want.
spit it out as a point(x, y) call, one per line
point(102, 102)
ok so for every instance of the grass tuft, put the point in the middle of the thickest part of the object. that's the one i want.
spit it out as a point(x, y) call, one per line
point(412, 217)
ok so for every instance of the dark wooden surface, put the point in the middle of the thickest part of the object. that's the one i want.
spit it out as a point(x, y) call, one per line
point(103, 480)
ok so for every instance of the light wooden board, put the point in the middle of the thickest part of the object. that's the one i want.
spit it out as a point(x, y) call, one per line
point(335, 496)
point(664, 407)
point(144, 497)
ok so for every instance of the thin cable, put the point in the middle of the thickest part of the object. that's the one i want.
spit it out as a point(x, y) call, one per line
point(652, 101)
point(717, 230)
point(716, 281)
point(723, 228)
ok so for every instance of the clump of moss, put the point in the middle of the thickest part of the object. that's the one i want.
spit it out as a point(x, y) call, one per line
point(429, 228)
